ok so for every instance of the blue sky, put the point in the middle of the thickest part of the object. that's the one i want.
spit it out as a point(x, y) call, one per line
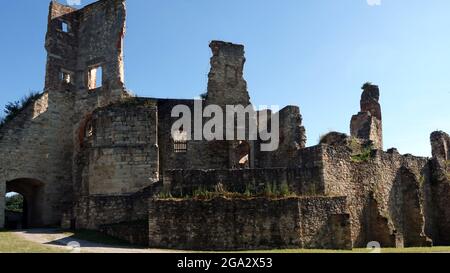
point(311, 53)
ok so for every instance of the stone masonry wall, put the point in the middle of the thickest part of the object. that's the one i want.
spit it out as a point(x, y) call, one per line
point(199, 154)
point(387, 195)
point(367, 124)
point(226, 84)
point(123, 154)
point(306, 178)
point(292, 139)
point(440, 164)
point(95, 212)
point(36, 146)
point(135, 232)
point(2, 204)
point(222, 224)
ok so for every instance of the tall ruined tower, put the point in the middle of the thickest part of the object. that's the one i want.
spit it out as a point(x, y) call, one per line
point(85, 55)
point(367, 124)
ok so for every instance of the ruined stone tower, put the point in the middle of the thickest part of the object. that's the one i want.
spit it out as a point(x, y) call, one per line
point(87, 155)
point(84, 71)
point(367, 124)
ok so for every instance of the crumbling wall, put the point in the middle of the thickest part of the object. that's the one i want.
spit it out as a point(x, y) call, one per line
point(440, 164)
point(200, 154)
point(122, 146)
point(96, 211)
point(226, 84)
point(380, 178)
point(36, 145)
point(241, 224)
point(306, 178)
point(367, 124)
point(292, 138)
point(93, 38)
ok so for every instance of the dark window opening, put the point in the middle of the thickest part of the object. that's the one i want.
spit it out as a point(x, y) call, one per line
point(65, 76)
point(89, 130)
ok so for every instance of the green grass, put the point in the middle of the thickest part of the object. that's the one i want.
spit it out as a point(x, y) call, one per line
point(364, 156)
point(359, 250)
point(12, 243)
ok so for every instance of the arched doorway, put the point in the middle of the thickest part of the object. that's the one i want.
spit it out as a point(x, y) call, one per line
point(32, 191)
point(406, 209)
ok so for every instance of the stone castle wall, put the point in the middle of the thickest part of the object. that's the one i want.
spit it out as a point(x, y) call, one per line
point(36, 157)
point(94, 212)
point(387, 195)
point(440, 165)
point(2, 204)
point(122, 149)
point(222, 224)
point(306, 178)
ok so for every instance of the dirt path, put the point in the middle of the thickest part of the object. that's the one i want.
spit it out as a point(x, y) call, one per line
point(64, 241)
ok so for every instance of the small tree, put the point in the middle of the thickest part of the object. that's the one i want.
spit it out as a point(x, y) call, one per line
point(14, 203)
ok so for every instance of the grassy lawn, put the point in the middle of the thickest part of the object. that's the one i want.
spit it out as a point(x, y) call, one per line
point(362, 250)
point(11, 243)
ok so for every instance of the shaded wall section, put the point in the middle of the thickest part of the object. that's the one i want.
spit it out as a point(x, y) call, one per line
point(222, 224)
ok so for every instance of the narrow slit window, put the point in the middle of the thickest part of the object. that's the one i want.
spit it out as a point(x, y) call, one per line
point(65, 27)
point(89, 130)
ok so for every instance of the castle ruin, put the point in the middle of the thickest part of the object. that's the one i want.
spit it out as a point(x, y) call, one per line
point(86, 154)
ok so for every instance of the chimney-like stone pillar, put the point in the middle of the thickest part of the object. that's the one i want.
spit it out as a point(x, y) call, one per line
point(440, 144)
point(367, 124)
point(226, 85)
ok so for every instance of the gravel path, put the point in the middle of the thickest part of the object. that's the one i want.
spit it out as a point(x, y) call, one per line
point(59, 239)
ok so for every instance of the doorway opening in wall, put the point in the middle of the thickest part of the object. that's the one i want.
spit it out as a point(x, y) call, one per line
point(16, 209)
point(32, 192)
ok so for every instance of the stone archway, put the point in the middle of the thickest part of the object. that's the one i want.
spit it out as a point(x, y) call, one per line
point(32, 191)
point(406, 206)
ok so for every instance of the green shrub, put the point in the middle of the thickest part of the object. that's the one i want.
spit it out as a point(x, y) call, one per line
point(366, 85)
point(165, 193)
point(14, 203)
point(284, 189)
point(268, 191)
point(364, 156)
point(12, 109)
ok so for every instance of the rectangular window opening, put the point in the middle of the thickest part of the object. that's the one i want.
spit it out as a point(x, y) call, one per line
point(65, 27)
point(65, 76)
point(95, 77)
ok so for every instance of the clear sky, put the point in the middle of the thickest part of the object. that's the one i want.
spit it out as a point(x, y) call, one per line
point(311, 53)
